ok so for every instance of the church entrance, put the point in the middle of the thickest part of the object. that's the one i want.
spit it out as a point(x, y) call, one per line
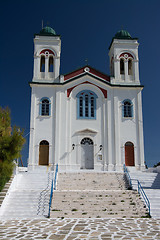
point(44, 153)
point(129, 154)
point(87, 156)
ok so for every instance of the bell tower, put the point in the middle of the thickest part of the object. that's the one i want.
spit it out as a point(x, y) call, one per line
point(47, 49)
point(124, 62)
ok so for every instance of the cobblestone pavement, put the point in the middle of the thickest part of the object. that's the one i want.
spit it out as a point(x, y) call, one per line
point(68, 229)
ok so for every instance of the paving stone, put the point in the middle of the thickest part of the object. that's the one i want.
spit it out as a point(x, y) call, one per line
point(70, 238)
point(83, 229)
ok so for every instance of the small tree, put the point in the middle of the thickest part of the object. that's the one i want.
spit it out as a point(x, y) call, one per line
point(11, 143)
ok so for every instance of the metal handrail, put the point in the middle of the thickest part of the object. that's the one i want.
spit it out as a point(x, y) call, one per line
point(42, 197)
point(128, 176)
point(140, 188)
point(55, 179)
point(51, 194)
point(141, 191)
point(50, 200)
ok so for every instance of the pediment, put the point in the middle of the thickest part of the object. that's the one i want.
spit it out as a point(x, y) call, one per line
point(86, 70)
point(86, 131)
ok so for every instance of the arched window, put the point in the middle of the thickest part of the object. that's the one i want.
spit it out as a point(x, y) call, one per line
point(127, 108)
point(87, 140)
point(86, 105)
point(130, 67)
point(121, 66)
point(50, 66)
point(42, 64)
point(45, 107)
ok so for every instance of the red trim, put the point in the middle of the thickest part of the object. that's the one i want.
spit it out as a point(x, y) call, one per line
point(73, 74)
point(99, 74)
point(47, 50)
point(82, 70)
point(69, 90)
point(129, 55)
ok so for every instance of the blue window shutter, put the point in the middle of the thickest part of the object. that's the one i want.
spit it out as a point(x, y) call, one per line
point(49, 109)
point(78, 108)
point(132, 110)
point(95, 108)
point(40, 108)
point(123, 110)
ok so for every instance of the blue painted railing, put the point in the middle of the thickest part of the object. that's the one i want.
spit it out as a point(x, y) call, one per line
point(50, 200)
point(55, 178)
point(127, 175)
point(43, 197)
point(142, 193)
point(140, 188)
point(51, 194)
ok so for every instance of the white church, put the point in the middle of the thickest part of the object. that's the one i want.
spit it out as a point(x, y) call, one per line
point(86, 119)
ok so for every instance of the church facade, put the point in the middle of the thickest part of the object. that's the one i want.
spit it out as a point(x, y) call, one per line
point(86, 119)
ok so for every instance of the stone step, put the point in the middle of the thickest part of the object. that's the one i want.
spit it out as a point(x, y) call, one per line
point(151, 185)
point(97, 214)
point(79, 204)
point(23, 198)
point(5, 190)
point(90, 181)
point(2, 194)
point(95, 195)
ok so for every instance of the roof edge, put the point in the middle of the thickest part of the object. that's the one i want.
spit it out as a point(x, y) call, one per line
point(128, 39)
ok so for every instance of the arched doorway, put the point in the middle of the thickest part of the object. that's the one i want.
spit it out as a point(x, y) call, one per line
point(129, 154)
point(44, 153)
point(87, 155)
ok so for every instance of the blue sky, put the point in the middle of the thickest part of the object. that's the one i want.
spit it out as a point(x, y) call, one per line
point(86, 28)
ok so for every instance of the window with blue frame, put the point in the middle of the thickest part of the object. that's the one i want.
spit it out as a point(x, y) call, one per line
point(127, 108)
point(86, 105)
point(45, 107)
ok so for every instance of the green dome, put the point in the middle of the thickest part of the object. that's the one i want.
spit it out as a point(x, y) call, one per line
point(47, 31)
point(122, 34)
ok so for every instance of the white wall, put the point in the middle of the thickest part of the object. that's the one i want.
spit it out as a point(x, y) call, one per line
point(109, 129)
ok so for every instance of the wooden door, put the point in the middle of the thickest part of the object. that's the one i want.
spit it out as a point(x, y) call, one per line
point(129, 154)
point(44, 153)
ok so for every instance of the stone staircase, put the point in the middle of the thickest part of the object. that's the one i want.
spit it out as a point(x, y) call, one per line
point(151, 185)
point(25, 194)
point(5, 190)
point(95, 195)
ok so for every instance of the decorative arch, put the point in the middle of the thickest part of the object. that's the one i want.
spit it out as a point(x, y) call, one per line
point(47, 52)
point(44, 153)
point(127, 55)
point(129, 154)
point(87, 140)
point(69, 90)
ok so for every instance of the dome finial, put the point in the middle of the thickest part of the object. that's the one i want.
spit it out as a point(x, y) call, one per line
point(122, 34)
point(47, 31)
